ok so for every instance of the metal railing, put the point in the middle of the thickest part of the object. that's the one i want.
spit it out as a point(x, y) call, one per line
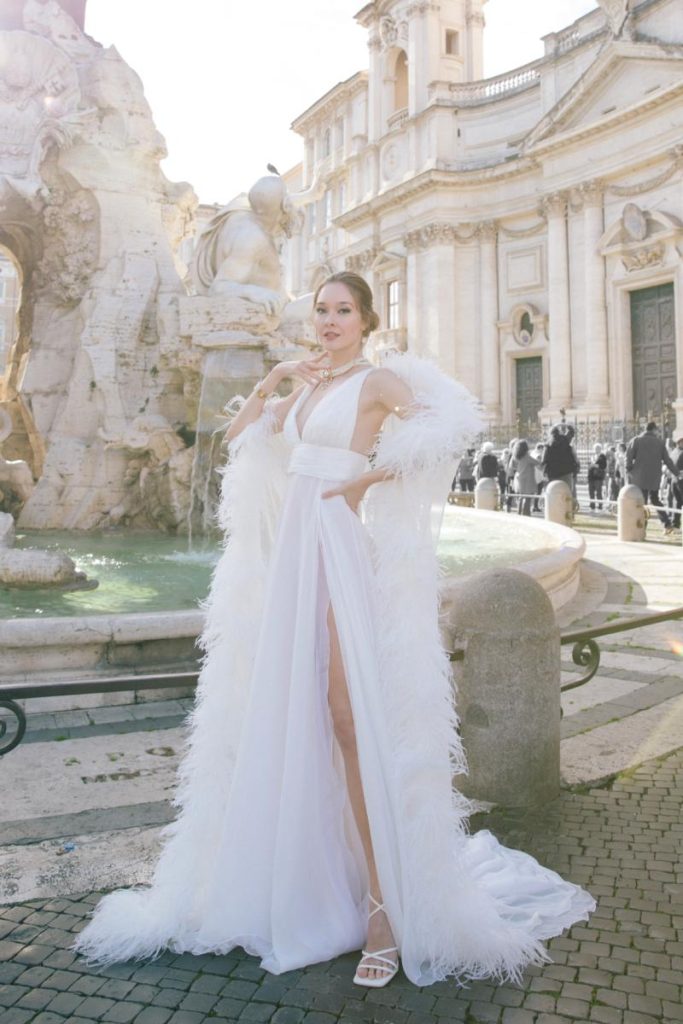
point(585, 654)
point(10, 693)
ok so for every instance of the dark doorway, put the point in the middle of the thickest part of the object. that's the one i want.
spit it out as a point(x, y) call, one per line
point(653, 350)
point(529, 389)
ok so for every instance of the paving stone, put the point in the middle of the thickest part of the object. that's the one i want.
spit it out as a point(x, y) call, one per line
point(153, 1015)
point(10, 994)
point(15, 1015)
point(122, 1012)
point(265, 1011)
point(36, 999)
point(65, 1003)
point(288, 1015)
point(513, 1015)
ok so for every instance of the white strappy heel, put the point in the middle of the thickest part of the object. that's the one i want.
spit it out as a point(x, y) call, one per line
point(391, 968)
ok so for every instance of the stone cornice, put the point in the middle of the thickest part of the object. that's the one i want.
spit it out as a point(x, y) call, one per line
point(422, 7)
point(321, 109)
point(430, 180)
point(636, 189)
point(577, 135)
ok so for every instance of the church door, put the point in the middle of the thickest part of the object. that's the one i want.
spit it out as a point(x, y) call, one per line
point(653, 349)
point(529, 390)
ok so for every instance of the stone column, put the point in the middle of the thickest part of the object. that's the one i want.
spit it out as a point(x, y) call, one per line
point(488, 304)
point(432, 324)
point(412, 244)
point(555, 207)
point(595, 330)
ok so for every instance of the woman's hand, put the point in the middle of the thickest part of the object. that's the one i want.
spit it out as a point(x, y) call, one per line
point(353, 492)
point(307, 370)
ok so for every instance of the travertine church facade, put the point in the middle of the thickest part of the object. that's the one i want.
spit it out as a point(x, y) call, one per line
point(525, 230)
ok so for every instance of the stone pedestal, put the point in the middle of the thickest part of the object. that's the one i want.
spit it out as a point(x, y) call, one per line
point(559, 503)
point(486, 495)
point(631, 521)
point(508, 687)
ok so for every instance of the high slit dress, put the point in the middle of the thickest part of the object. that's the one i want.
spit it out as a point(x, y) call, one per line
point(281, 869)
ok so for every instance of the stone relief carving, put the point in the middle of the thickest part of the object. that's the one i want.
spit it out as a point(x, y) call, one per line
point(648, 256)
point(39, 94)
point(125, 117)
point(48, 18)
point(392, 32)
point(616, 12)
point(635, 222)
point(70, 243)
point(651, 183)
point(157, 477)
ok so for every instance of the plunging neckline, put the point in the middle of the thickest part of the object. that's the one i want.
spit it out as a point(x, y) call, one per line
point(297, 405)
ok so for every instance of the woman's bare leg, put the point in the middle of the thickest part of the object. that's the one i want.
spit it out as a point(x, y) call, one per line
point(380, 935)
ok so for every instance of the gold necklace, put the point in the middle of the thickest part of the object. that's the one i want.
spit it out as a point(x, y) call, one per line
point(327, 374)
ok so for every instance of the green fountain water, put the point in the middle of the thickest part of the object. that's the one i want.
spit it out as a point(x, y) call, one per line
point(149, 572)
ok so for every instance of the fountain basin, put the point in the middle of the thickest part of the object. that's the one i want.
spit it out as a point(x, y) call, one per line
point(67, 647)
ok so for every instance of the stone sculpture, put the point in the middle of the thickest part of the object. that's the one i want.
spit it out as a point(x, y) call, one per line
point(158, 476)
point(88, 216)
point(34, 569)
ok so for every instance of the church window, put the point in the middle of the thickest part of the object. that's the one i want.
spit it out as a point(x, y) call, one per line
point(401, 81)
point(339, 132)
point(452, 42)
point(393, 305)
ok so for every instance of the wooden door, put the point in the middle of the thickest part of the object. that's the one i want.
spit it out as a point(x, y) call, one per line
point(529, 389)
point(653, 349)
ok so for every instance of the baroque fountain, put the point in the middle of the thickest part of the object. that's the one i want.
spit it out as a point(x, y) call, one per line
point(112, 397)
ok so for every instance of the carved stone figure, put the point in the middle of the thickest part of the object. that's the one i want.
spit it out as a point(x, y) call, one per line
point(157, 477)
point(48, 18)
point(32, 568)
point(237, 253)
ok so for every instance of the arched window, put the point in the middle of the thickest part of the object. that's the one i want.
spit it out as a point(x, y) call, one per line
point(401, 81)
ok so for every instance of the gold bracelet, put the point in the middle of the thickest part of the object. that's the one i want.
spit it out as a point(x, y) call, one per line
point(260, 393)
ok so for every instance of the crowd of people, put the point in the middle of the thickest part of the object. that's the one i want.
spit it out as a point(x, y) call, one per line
point(523, 471)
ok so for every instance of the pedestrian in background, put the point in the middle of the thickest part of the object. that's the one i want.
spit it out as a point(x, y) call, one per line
point(525, 466)
point(596, 476)
point(644, 458)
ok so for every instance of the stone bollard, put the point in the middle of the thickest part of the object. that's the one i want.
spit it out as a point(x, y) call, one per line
point(559, 503)
point(508, 686)
point(486, 495)
point(631, 518)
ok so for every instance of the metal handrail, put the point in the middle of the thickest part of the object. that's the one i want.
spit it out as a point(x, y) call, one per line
point(585, 653)
point(10, 693)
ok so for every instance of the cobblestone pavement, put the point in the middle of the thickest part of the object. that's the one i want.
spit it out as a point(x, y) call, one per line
point(625, 966)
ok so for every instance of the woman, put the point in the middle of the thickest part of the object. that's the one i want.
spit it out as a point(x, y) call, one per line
point(317, 810)
point(525, 466)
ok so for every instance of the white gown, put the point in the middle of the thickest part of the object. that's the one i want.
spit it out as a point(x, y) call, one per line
point(283, 872)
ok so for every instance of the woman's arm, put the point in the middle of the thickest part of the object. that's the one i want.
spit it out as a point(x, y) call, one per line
point(306, 370)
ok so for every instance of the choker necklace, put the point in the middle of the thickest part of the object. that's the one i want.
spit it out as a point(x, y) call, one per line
point(327, 374)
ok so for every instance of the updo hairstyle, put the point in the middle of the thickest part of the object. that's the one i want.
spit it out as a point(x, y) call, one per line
point(362, 294)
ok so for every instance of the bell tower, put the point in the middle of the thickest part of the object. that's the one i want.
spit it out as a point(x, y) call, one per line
point(414, 45)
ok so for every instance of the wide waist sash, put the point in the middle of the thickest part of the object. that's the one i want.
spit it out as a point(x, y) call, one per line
point(326, 463)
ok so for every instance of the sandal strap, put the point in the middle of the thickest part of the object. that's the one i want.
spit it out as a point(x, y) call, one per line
point(377, 907)
point(378, 954)
point(392, 965)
